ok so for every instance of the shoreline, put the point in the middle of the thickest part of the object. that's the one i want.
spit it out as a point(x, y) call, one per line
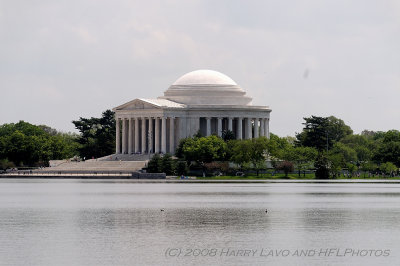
point(127, 177)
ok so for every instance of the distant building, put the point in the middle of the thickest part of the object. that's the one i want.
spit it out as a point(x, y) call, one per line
point(202, 101)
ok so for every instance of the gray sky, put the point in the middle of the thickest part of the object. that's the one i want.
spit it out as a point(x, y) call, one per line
point(60, 60)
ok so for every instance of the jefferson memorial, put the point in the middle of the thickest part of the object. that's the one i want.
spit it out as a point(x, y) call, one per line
point(202, 101)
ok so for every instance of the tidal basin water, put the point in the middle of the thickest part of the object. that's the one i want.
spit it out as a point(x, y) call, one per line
point(99, 222)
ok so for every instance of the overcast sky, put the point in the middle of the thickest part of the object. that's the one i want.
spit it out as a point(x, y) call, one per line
point(60, 60)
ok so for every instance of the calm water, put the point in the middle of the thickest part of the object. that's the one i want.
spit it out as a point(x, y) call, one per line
point(80, 222)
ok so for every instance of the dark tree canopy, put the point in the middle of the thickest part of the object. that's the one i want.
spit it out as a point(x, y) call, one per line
point(154, 164)
point(29, 145)
point(228, 135)
point(321, 167)
point(97, 137)
point(388, 148)
point(322, 132)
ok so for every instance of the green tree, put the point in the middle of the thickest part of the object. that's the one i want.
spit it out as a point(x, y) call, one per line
point(321, 167)
point(388, 168)
point(352, 168)
point(336, 163)
point(249, 151)
point(302, 157)
point(179, 149)
point(337, 129)
point(154, 164)
point(276, 146)
point(204, 150)
point(361, 144)
point(228, 135)
point(339, 157)
point(181, 168)
point(388, 148)
point(368, 167)
point(322, 132)
point(241, 152)
point(349, 155)
point(258, 151)
point(97, 137)
point(6, 164)
point(167, 164)
point(26, 144)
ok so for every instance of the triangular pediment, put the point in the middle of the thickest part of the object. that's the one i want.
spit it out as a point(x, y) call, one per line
point(138, 104)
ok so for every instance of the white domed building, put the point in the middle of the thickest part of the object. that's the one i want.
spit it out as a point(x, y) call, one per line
point(202, 101)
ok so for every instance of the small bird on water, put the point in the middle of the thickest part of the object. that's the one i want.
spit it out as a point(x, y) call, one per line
point(162, 210)
point(266, 210)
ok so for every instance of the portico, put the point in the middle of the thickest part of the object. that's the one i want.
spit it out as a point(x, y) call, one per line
point(201, 101)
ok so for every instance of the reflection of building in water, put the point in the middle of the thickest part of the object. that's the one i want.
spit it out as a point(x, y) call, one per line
point(202, 101)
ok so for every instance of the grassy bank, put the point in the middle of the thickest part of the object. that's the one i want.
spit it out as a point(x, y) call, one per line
point(290, 176)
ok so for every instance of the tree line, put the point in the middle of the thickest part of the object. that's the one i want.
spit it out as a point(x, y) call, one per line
point(325, 145)
point(25, 145)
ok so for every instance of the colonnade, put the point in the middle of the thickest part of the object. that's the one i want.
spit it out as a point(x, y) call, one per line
point(138, 136)
point(149, 134)
point(246, 127)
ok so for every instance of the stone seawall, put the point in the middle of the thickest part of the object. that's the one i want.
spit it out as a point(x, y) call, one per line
point(137, 175)
point(84, 174)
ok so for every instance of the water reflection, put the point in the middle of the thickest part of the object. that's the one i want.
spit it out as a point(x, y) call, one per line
point(121, 223)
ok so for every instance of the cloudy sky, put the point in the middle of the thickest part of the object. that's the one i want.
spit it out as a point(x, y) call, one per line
point(60, 60)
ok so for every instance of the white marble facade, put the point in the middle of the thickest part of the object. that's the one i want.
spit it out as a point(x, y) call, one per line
point(202, 101)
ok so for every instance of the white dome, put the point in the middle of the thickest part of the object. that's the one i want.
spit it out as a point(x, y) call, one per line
point(204, 77)
point(206, 87)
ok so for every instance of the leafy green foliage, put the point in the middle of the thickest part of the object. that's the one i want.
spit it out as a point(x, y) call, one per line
point(161, 164)
point(388, 148)
point(348, 154)
point(321, 167)
point(241, 152)
point(203, 150)
point(167, 164)
point(181, 168)
point(254, 151)
point(6, 164)
point(26, 144)
point(301, 157)
point(97, 136)
point(322, 132)
point(228, 135)
point(388, 168)
point(154, 164)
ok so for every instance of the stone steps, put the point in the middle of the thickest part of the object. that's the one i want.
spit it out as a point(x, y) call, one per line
point(126, 157)
point(99, 166)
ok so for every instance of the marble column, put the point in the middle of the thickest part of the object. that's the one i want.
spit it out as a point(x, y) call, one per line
point(239, 128)
point(150, 134)
point(230, 123)
point(172, 135)
point(208, 126)
point(256, 135)
point(136, 134)
point(267, 127)
point(118, 136)
point(123, 136)
point(163, 135)
point(130, 128)
point(143, 135)
point(262, 127)
point(156, 135)
point(219, 127)
point(248, 131)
